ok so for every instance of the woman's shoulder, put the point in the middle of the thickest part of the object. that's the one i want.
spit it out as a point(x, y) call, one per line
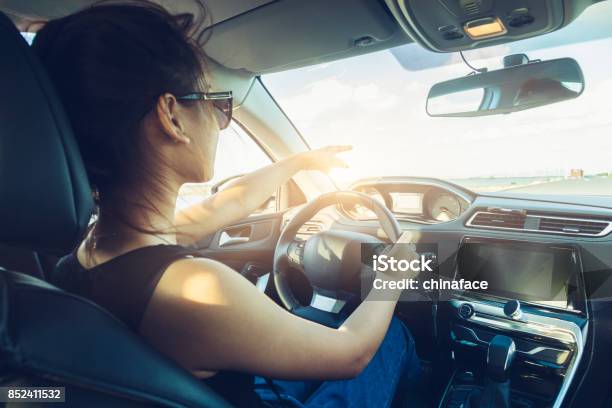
point(201, 280)
point(192, 273)
point(123, 284)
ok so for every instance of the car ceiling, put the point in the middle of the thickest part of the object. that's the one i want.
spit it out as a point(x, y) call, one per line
point(266, 35)
point(262, 36)
point(220, 10)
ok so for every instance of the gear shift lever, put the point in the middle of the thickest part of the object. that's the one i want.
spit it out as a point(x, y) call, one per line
point(499, 358)
point(496, 392)
point(500, 354)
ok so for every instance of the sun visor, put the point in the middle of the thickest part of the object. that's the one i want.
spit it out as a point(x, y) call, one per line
point(294, 33)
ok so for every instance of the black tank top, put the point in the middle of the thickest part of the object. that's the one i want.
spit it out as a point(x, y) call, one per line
point(124, 285)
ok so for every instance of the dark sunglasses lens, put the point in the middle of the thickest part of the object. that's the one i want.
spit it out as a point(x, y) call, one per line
point(223, 109)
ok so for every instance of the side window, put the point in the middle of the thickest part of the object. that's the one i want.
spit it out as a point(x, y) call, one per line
point(237, 154)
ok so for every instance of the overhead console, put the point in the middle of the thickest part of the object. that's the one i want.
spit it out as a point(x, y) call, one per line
point(455, 25)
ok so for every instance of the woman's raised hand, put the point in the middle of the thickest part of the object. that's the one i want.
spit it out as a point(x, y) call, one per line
point(323, 159)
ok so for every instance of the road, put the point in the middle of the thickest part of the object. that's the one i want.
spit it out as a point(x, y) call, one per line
point(587, 186)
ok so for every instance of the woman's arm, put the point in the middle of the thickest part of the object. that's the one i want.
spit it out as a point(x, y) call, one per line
point(207, 317)
point(243, 196)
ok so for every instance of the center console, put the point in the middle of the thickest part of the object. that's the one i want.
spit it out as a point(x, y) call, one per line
point(517, 343)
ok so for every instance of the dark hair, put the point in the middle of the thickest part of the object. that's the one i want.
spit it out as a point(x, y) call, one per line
point(109, 63)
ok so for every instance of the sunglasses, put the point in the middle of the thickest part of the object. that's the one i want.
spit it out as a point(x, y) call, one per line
point(222, 102)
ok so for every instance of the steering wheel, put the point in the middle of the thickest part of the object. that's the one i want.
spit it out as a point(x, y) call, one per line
point(330, 260)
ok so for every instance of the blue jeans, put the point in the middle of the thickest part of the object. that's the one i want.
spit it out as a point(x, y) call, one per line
point(394, 366)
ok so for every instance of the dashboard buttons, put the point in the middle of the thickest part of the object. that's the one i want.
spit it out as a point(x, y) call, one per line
point(466, 311)
point(295, 252)
point(512, 309)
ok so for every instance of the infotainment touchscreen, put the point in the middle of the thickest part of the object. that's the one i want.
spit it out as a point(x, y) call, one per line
point(535, 273)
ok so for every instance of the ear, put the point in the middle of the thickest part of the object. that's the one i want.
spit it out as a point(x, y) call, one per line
point(168, 113)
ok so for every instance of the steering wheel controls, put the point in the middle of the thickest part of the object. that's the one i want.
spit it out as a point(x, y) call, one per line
point(296, 252)
point(299, 250)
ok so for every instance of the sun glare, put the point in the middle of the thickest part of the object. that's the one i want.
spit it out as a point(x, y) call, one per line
point(204, 288)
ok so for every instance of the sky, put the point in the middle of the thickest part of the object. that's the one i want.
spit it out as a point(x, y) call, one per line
point(375, 104)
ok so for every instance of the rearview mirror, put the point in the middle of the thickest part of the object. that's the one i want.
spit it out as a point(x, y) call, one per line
point(517, 87)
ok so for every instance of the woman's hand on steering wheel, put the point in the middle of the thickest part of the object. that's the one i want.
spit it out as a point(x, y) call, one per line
point(323, 159)
point(402, 249)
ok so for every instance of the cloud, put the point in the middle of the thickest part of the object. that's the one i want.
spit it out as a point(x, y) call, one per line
point(374, 104)
point(320, 97)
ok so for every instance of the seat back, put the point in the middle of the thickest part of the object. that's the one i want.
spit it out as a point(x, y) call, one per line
point(51, 338)
point(23, 260)
point(47, 336)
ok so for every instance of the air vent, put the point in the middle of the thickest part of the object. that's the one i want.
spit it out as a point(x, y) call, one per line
point(542, 223)
point(573, 226)
point(498, 220)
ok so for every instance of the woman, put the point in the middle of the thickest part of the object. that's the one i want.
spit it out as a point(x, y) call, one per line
point(133, 84)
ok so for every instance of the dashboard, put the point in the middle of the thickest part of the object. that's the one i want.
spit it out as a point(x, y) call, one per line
point(426, 201)
point(548, 260)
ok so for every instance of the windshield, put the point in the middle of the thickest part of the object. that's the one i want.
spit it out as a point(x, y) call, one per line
point(376, 103)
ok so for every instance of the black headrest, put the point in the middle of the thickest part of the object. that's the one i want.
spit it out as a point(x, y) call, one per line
point(45, 197)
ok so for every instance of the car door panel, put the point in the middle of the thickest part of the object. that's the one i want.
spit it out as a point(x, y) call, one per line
point(251, 240)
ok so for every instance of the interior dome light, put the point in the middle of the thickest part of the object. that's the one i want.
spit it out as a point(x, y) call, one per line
point(484, 28)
